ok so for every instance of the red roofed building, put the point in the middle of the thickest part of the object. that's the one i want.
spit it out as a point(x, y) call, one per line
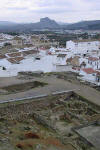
point(42, 48)
point(15, 60)
point(18, 54)
point(2, 56)
point(89, 70)
point(94, 62)
point(93, 59)
point(88, 74)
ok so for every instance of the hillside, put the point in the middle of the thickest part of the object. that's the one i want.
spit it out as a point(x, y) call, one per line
point(46, 23)
point(86, 25)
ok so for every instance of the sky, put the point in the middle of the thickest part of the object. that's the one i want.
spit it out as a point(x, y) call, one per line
point(60, 10)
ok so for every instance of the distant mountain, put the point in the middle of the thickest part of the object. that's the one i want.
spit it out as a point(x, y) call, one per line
point(86, 25)
point(46, 23)
point(7, 23)
point(62, 23)
point(5, 26)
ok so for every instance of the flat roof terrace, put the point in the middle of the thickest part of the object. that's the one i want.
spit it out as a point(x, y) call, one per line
point(91, 133)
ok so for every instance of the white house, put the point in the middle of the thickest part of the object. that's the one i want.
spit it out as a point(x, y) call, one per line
point(82, 46)
point(61, 59)
point(52, 50)
point(94, 62)
point(88, 74)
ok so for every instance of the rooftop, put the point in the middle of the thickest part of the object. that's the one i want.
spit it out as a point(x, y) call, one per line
point(15, 60)
point(61, 55)
point(93, 58)
point(14, 54)
point(2, 56)
point(91, 133)
point(30, 52)
point(89, 70)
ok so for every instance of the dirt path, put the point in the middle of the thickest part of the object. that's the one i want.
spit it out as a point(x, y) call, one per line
point(55, 84)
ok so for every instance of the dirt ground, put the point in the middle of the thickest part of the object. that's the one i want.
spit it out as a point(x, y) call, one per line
point(45, 124)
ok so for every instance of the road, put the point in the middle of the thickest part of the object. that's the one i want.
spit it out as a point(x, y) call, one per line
point(54, 84)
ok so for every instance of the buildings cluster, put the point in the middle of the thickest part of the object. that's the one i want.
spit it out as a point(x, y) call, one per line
point(37, 53)
point(87, 59)
point(82, 57)
point(37, 40)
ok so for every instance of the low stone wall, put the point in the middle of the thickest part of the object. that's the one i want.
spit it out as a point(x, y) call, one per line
point(41, 120)
point(28, 108)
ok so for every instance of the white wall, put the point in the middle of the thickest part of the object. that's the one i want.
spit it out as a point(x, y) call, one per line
point(88, 77)
point(94, 64)
point(61, 60)
point(70, 45)
point(82, 47)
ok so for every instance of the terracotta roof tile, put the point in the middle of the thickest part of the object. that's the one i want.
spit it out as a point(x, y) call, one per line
point(15, 60)
point(2, 56)
point(30, 52)
point(14, 54)
point(61, 55)
point(89, 70)
point(93, 58)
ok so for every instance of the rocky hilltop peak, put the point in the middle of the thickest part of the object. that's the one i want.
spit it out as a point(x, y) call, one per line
point(48, 23)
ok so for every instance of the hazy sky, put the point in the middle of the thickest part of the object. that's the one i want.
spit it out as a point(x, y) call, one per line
point(60, 10)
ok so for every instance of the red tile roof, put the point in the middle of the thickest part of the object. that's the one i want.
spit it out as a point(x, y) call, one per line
point(14, 54)
point(89, 70)
point(30, 52)
point(93, 58)
point(15, 60)
point(2, 56)
point(42, 48)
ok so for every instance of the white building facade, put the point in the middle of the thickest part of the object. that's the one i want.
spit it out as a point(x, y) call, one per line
point(82, 47)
